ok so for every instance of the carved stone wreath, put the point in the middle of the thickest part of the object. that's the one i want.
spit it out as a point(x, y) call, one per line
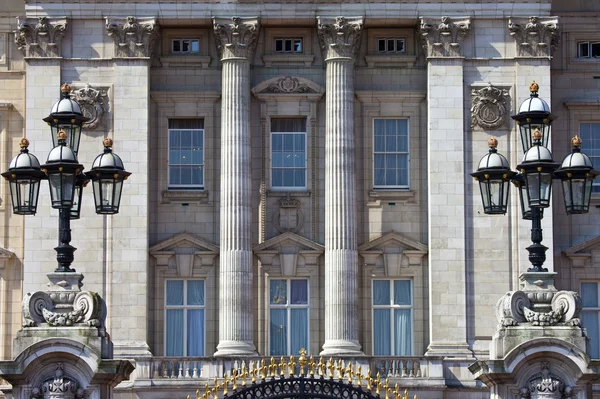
point(490, 107)
point(94, 105)
point(288, 84)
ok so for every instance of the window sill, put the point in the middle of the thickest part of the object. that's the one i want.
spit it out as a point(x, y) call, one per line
point(390, 60)
point(183, 196)
point(185, 61)
point(285, 193)
point(376, 196)
point(288, 59)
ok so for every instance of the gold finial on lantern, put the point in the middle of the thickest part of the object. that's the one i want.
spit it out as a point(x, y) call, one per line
point(537, 135)
point(62, 135)
point(492, 142)
point(65, 88)
point(24, 143)
point(576, 141)
point(107, 142)
point(534, 87)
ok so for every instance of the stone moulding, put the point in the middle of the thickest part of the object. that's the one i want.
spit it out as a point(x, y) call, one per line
point(41, 37)
point(490, 106)
point(443, 39)
point(236, 37)
point(340, 37)
point(136, 37)
point(535, 37)
point(94, 104)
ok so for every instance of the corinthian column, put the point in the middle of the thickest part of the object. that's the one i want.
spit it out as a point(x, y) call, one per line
point(236, 42)
point(340, 40)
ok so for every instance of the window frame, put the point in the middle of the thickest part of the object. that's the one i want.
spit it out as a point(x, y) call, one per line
point(408, 168)
point(292, 40)
point(592, 310)
point(590, 45)
point(392, 307)
point(184, 187)
point(273, 168)
point(185, 307)
point(181, 40)
point(288, 308)
point(594, 158)
point(395, 40)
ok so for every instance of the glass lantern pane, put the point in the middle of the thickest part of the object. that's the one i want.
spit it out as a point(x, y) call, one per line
point(485, 194)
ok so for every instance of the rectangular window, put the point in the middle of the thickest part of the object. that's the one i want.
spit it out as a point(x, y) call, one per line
point(589, 317)
point(288, 153)
point(392, 318)
point(288, 316)
point(288, 45)
point(186, 154)
point(185, 46)
point(184, 317)
point(588, 49)
point(390, 153)
point(589, 132)
point(390, 45)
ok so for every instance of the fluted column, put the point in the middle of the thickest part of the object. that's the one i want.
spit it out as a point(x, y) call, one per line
point(236, 41)
point(340, 40)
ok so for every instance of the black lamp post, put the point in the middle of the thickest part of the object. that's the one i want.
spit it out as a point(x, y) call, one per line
point(65, 175)
point(536, 173)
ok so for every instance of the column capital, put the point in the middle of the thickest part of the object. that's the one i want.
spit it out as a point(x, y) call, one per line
point(535, 37)
point(236, 37)
point(444, 38)
point(40, 37)
point(134, 37)
point(339, 37)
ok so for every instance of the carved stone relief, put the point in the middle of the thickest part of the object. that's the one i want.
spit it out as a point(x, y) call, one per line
point(288, 217)
point(444, 39)
point(236, 37)
point(136, 37)
point(41, 37)
point(94, 105)
point(340, 37)
point(545, 385)
point(535, 37)
point(289, 84)
point(58, 387)
point(490, 107)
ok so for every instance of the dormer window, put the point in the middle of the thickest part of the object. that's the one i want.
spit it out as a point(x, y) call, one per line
point(288, 45)
point(588, 50)
point(185, 46)
point(391, 45)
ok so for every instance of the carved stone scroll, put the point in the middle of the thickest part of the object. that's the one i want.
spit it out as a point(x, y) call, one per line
point(535, 37)
point(236, 37)
point(340, 37)
point(490, 107)
point(136, 37)
point(94, 105)
point(444, 39)
point(41, 37)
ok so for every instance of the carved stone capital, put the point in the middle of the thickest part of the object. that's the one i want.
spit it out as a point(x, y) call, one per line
point(535, 37)
point(443, 39)
point(135, 37)
point(339, 37)
point(236, 37)
point(490, 106)
point(40, 37)
point(94, 105)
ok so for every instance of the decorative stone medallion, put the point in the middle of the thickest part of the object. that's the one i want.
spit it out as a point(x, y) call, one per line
point(490, 107)
point(94, 105)
point(289, 84)
point(59, 387)
point(545, 385)
point(288, 217)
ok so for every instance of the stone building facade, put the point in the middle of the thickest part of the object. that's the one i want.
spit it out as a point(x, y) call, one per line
point(299, 177)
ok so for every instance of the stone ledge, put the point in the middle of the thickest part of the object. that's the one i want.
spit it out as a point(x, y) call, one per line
point(174, 196)
point(376, 196)
point(389, 60)
point(185, 61)
point(288, 59)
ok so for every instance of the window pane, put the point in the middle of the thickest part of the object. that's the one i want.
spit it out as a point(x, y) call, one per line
point(277, 178)
point(379, 143)
point(298, 45)
point(186, 175)
point(299, 294)
point(288, 159)
point(400, 45)
point(277, 160)
point(595, 49)
point(390, 127)
point(288, 178)
point(174, 174)
point(195, 332)
point(195, 292)
point(584, 50)
point(390, 143)
point(186, 157)
point(590, 323)
point(300, 178)
point(299, 330)
point(382, 332)
point(277, 143)
point(300, 160)
point(288, 45)
point(381, 292)
point(185, 46)
point(381, 45)
point(299, 140)
point(174, 141)
point(186, 138)
point(288, 142)
point(390, 44)
point(402, 293)
point(174, 333)
point(379, 127)
point(174, 292)
point(278, 293)
point(402, 332)
point(195, 46)
point(176, 46)
point(278, 45)
point(278, 332)
point(390, 177)
point(589, 295)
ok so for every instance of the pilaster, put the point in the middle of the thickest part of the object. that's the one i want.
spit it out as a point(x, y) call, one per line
point(442, 41)
point(340, 40)
point(236, 42)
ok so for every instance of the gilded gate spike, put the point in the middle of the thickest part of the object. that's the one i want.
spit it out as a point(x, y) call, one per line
point(397, 391)
point(359, 376)
point(207, 391)
point(405, 394)
point(330, 367)
point(282, 367)
point(387, 388)
point(263, 368)
point(302, 360)
point(349, 372)
point(234, 380)
point(254, 372)
point(321, 367)
point(292, 365)
point(197, 394)
point(272, 367)
point(311, 366)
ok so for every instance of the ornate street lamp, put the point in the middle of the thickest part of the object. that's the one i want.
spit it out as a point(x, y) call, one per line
point(65, 176)
point(536, 173)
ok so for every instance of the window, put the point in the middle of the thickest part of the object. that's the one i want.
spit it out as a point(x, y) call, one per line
point(186, 154)
point(588, 49)
point(392, 318)
point(589, 133)
point(288, 316)
point(185, 46)
point(288, 153)
point(288, 45)
point(184, 318)
point(390, 156)
point(589, 317)
point(390, 45)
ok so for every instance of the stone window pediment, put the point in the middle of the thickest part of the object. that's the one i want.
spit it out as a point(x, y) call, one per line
point(286, 249)
point(184, 252)
point(585, 254)
point(292, 87)
point(395, 250)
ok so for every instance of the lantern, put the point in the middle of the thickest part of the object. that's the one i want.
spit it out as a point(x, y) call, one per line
point(534, 114)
